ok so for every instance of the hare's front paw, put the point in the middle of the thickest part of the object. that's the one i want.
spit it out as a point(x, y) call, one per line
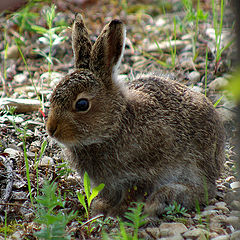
point(184, 194)
point(101, 206)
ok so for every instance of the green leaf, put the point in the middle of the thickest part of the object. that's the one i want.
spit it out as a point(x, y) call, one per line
point(43, 147)
point(39, 29)
point(95, 192)
point(81, 199)
point(87, 185)
point(218, 101)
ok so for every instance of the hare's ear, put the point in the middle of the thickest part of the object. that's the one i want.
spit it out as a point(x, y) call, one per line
point(108, 50)
point(81, 43)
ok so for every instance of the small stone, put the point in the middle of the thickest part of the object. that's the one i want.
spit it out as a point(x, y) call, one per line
point(9, 118)
point(19, 195)
point(172, 229)
point(12, 52)
point(225, 114)
point(53, 78)
point(160, 22)
point(166, 46)
point(20, 78)
point(235, 185)
point(223, 237)
point(194, 76)
point(220, 204)
point(209, 213)
point(230, 179)
point(177, 237)
point(218, 84)
point(21, 105)
point(234, 221)
point(196, 233)
point(219, 218)
point(46, 162)
point(12, 152)
point(154, 232)
point(188, 64)
point(235, 205)
point(210, 207)
point(197, 89)
point(235, 235)
point(17, 235)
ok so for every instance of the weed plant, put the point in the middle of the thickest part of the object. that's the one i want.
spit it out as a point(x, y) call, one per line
point(135, 220)
point(218, 26)
point(194, 17)
point(25, 18)
point(46, 214)
point(50, 36)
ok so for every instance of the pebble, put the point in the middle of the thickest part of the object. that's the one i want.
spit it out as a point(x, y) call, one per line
point(235, 205)
point(188, 64)
point(234, 221)
point(172, 229)
point(160, 22)
point(197, 89)
point(235, 185)
point(194, 76)
point(226, 114)
point(46, 162)
point(223, 237)
point(17, 235)
point(218, 84)
point(178, 237)
point(209, 213)
point(196, 233)
point(12, 152)
point(20, 78)
point(21, 105)
point(9, 118)
point(12, 52)
point(153, 231)
point(235, 235)
point(53, 78)
point(166, 46)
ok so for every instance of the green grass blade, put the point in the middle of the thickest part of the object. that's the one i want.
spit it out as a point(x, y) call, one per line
point(81, 199)
point(87, 186)
point(218, 101)
point(95, 192)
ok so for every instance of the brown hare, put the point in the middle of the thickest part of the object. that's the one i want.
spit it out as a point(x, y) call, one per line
point(153, 135)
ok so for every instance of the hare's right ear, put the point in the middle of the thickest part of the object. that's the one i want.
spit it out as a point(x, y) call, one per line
point(81, 43)
point(108, 50)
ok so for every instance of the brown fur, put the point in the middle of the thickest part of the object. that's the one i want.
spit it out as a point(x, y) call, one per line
point(153, 133)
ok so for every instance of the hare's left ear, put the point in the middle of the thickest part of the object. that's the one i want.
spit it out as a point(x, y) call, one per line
point(107, 51)
point(81, 43)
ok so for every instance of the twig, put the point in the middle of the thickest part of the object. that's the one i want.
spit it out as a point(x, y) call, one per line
point(5, 89)
point(14, 205)
point(91, 220)
point(9, 167)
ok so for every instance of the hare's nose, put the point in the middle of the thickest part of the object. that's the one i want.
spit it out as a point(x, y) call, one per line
point(51, 128)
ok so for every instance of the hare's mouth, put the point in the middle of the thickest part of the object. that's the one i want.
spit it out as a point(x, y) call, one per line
point(70, 141)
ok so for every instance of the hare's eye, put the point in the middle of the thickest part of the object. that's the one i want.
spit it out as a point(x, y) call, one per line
point(82, 105)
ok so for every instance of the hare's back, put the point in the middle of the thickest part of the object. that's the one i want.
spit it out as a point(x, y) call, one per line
point(189, 118)
point(188, 114)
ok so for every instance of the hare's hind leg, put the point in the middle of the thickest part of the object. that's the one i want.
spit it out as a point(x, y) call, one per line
point(185, 194)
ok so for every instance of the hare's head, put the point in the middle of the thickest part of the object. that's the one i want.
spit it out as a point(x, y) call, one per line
point(87, 104)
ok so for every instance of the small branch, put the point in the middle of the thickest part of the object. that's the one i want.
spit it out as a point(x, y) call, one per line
point(9, 169)
point(14, 205)
point(91, 220)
